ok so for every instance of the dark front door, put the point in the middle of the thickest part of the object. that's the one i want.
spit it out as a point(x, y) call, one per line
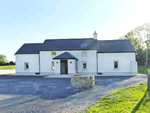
point(64, 67)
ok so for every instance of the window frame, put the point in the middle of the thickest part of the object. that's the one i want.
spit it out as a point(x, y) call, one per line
point(52, 53)
point(117, 64)
point(84, 54)
point(83, 67)
point(25, 65)
point(52, 66)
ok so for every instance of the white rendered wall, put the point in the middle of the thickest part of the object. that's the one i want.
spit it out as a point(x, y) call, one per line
point(32, 59)
point(46, 59)
point(71, 66)
point(57, 66)
point(134, 68)
point(46, 62)
point(106, 63)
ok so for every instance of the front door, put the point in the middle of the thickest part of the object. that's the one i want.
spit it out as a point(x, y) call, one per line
point(64, 67)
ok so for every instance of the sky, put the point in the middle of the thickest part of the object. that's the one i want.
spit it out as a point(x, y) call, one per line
point(33, 21)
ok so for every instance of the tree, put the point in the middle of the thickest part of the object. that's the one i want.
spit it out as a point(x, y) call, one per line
point(138, 46)
point(11, 63)
point(3, 59)
point(138, 39)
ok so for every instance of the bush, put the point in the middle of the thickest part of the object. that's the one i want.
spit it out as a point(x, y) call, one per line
point(11, 63)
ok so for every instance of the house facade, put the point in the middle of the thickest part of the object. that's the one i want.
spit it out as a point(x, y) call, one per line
point(70, 56)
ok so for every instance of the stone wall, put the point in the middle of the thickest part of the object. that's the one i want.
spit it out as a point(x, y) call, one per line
point(83, 81)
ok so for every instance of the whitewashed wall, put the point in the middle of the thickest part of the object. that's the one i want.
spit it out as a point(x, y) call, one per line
point(134, 68)
point(46, 59)
point(32, 59)
point(57, 66)
point(71, 66)
point(106, 63)
point(127, 63)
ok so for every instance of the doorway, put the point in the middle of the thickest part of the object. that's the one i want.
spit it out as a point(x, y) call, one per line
point(64, 67)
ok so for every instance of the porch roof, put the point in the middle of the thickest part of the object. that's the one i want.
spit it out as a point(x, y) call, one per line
point(65, 55)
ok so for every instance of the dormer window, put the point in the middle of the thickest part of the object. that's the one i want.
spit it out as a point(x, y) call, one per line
point(84, 53)
point(53, 53)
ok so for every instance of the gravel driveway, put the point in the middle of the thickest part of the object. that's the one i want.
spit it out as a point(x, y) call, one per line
point(49, 95)
point(2, 72)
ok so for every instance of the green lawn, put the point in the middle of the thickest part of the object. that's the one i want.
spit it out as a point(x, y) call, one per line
point(7, 67)
point(133, 99)
point(142, 69)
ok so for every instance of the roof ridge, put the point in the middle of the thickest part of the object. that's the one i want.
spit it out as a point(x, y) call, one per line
point(33, 43)
point(114, 40)
point(70, 39)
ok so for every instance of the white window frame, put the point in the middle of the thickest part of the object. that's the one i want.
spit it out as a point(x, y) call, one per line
point(82, 65)
point(52, 66)
point(83, 54)
point(117, 64)
point(52, 53)
point(25, 65)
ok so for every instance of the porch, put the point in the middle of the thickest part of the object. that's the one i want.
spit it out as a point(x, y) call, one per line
point(65, 63)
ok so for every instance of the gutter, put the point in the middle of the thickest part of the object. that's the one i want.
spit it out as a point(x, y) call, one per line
point(39, 63)
point(97, 61)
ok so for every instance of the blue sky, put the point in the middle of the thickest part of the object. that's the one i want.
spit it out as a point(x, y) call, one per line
point(33, 21)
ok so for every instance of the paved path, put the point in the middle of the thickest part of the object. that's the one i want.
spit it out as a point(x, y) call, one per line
point(38, 94)
point(2, 72)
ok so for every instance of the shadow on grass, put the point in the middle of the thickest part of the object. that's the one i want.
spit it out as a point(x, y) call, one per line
point(140, 102)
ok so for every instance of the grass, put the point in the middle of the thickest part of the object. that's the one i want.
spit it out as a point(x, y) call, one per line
point(11, 67)
point(133, 99)
point(142, 69)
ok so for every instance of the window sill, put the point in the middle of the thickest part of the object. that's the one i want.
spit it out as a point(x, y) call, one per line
point(53, 55)
point(26, 69)
point(116, 69)
point(84, 69)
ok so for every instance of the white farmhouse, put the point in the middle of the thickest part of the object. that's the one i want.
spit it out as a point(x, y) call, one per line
point(70, 56)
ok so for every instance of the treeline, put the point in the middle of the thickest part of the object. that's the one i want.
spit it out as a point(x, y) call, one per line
point(139, 41)
point(4, 61)
point(7, 63)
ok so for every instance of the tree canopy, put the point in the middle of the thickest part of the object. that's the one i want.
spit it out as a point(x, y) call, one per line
point(139, 42)
point(3, 59)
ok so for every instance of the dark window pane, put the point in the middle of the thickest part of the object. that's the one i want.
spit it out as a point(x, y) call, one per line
point(84, 65)
point(116, 65)
point(27, 65)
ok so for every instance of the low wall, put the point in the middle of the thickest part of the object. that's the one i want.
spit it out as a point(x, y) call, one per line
point(83, 81)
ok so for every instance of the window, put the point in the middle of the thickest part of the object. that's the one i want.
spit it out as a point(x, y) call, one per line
point(26, 66)
point(115, 64)
point(84, 53)
point(53, 66)
point(84, 65)
point(53, 53)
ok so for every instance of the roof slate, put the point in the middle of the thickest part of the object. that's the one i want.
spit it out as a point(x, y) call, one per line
point(103, 46)
point(31, 48)
point(115, 46)
point(69, 44)
point(65, 55)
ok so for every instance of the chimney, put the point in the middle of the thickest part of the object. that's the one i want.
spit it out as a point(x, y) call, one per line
point(95, 35)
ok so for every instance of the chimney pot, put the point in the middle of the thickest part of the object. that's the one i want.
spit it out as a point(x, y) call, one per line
point(95, 35)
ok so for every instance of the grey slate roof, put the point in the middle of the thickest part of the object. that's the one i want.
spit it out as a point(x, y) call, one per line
point(115, 46)
point(70, 44)
point(31, 48)
point(65, 55)
point(103, 46)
